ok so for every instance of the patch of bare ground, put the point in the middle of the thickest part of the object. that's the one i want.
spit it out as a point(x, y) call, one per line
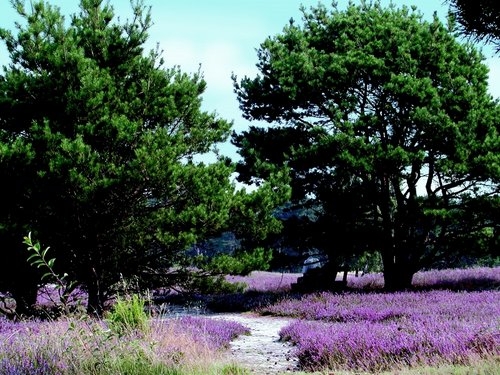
point(261, 352)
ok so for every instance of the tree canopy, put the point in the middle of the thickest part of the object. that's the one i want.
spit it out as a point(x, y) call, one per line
point(97, 147)
point(386, 125)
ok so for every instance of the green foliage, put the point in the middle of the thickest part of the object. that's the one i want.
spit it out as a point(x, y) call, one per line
point(240, 263)
point(39, 259)
point(208, 277)
point(98, 142)
point(208, 284)
point(368, 262)
point(130, 365)
point(128, 315)
point(250, 219)
point(384, 124)
point(489, 261)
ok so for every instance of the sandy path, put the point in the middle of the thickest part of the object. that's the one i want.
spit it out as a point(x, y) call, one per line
point(261, 352)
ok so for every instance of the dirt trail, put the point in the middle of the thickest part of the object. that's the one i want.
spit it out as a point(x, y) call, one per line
point(261, 352)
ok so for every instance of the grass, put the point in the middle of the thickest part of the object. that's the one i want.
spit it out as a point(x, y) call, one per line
point(484, 367)
point(128, 315)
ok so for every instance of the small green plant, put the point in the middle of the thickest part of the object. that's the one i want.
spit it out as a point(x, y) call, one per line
point(39, 259)
point(234, 369)
point(128, 315)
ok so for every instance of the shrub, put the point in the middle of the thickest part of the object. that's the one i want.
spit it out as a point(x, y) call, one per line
point(206, 284)
point(240, 263)
point(128, 315)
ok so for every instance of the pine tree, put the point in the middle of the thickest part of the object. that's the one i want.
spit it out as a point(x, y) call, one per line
point(98, 141)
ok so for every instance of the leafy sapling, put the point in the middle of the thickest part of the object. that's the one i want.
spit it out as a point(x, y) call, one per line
point(39, 259)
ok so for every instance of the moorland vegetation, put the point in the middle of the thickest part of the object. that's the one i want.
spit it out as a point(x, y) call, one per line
point(381, 156)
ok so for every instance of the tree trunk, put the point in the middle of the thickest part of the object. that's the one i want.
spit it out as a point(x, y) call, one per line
point(398, 275)
point(95, 303)
point(396, 256)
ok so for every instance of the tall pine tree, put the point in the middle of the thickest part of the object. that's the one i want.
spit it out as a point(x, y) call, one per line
point(386, 125)
point(97, 147)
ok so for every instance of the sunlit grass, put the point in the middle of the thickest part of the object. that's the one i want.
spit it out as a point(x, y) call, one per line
point(483, 367)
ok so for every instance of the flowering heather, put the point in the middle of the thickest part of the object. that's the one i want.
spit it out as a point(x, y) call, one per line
point(368, 346)
point(379, 331)
point(262, 281)
point(369, 281)
point(215, 334)
point(49, 295)
point(34, 348)
point(462, 279)
point(454, 279)
point(86, 346)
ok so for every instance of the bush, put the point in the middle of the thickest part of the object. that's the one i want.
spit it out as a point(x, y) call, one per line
point(214, 285)
point(128, 315)
point(240, 263)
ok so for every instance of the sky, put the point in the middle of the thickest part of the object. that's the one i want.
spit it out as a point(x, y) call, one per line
point(220, 37)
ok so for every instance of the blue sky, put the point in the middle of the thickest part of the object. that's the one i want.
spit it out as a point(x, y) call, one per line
point(222, 36)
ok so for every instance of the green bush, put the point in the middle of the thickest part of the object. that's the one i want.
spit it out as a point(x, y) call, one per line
point(128, 315)
point(240, 263)
point(214, 285)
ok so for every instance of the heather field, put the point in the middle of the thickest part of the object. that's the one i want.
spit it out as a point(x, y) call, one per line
point(188, 345)
point(377, 332)
point(477, 278)
point(449, 324)
point(453, 319)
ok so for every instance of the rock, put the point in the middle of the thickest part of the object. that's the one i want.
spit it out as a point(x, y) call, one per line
point(318, 280)
point(7, 305)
